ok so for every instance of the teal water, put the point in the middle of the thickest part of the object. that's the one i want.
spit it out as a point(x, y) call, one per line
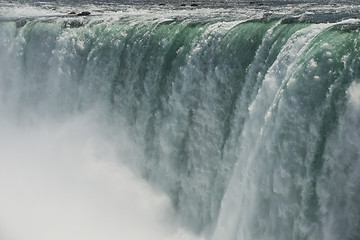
point(250, 126)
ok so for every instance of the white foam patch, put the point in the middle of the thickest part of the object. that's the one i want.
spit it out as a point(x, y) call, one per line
point(65, 181)
point(354, 95)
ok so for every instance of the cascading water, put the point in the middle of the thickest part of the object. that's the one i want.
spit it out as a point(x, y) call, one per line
point(250, 126)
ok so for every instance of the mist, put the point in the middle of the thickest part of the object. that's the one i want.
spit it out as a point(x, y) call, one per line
point(66, 181)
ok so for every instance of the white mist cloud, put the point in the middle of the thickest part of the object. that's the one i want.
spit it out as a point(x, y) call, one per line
point(65, 181)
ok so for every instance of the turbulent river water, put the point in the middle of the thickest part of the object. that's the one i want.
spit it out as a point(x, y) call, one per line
point(148, 121)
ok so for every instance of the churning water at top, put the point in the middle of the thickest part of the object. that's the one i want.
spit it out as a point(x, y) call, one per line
point(236, 122)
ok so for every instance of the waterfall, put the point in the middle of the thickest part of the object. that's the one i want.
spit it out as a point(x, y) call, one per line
point(249, 126)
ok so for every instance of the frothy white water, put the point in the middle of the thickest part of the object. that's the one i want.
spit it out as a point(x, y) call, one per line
point(65, 181)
